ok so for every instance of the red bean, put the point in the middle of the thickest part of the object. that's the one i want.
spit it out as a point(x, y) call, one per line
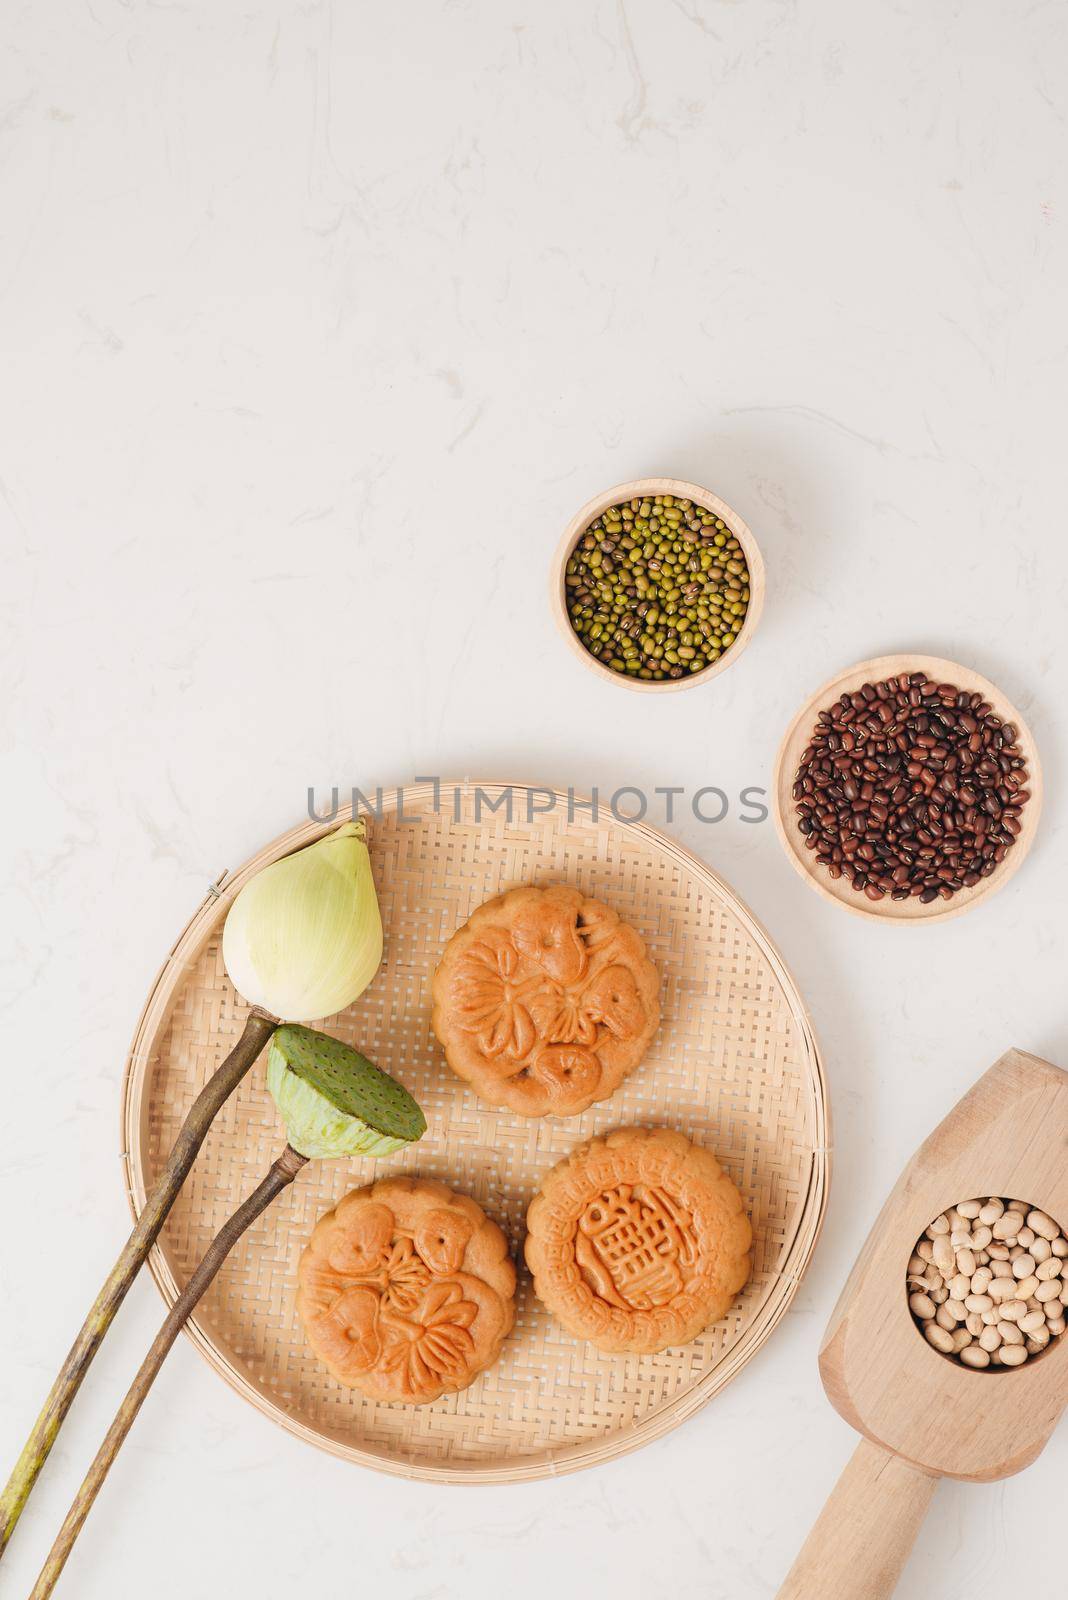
point(909, 788)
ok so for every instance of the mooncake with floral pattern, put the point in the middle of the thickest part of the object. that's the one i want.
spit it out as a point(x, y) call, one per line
point(407, 1291)
point(545, 1000)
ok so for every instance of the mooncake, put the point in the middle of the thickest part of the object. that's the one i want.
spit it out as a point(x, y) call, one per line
point(407, 1291)
point(638, 1241)
point(544, 1001)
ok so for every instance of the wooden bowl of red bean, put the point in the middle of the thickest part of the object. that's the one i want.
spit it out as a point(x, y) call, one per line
point(907, 788)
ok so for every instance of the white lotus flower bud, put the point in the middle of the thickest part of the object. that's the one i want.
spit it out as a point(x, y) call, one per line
point(304, 937)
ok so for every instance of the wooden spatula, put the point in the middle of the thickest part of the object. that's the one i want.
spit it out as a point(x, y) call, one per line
point(923, 1417)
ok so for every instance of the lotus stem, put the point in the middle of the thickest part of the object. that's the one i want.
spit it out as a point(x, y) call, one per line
point(258, 1029)
point(280, 1175)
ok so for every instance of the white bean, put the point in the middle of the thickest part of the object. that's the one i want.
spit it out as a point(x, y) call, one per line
point(988, 1282)
point(944, 1257)
point(1042, 1224)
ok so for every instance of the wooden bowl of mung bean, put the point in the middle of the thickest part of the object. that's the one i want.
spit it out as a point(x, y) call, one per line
point(657, 584)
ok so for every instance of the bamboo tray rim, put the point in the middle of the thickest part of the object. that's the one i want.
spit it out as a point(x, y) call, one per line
point(553, 1461)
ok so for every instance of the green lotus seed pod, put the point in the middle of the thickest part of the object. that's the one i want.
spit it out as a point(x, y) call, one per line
point(335, 1102)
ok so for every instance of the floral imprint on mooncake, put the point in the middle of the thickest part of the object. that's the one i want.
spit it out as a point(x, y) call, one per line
point(544, 1001)
point(406, 1290)
point(638, 1241)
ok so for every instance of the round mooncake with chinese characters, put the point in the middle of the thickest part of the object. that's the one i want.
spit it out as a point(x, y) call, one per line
point(638, 1241)
point(407, 1291)
point(544, 1001)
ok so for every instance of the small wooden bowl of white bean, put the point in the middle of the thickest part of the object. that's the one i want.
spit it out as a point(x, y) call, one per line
point(987, 1283)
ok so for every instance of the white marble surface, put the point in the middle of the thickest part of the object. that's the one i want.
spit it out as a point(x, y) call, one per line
point(319, 321)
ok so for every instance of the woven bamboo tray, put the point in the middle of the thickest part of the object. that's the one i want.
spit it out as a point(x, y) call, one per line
point(734, 1065)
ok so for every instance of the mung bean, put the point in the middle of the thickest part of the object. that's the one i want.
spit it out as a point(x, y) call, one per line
point(644, 574)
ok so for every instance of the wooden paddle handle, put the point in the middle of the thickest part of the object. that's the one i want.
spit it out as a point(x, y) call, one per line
point(863, 1536)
